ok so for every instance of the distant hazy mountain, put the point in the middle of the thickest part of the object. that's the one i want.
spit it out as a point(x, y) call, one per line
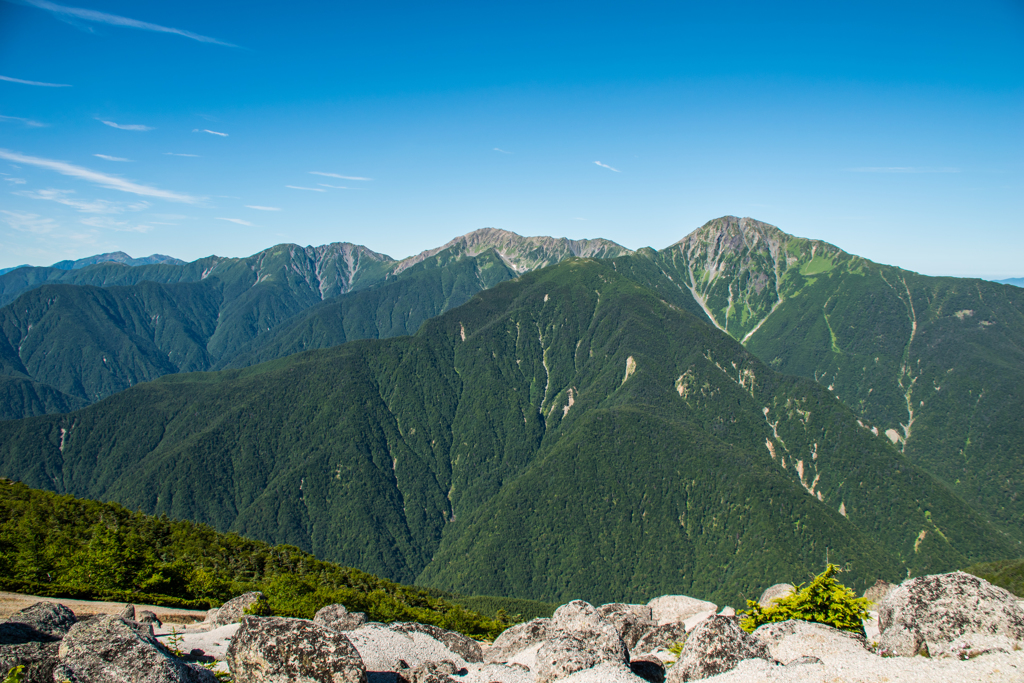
point(116, 257)
point(7, 270)
point(1015, 281)
point(565, 434)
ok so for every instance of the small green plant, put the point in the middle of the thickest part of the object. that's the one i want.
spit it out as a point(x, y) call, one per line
point(14, 675)
point(174, 642)
point(823, 601)
point(260, 608)
point(676, 650)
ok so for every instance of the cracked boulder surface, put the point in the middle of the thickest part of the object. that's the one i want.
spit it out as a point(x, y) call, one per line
point(949, 614)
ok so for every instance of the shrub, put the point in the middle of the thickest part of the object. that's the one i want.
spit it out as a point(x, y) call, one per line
point(823, 601)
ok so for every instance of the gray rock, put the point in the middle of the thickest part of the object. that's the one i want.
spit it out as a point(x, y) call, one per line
point(233, 610)
point(793, 639)
point(949, 614)
point(275, 650)
point(665, 635)
point(779, 590)
point(211, 615)
point(465, 647)
point(39, 660)
point(338, 618)
point(128, 613)
point(431, 672)
point(515, 639)
point(578, 639)
point(878, 591)
point(385, 650)
point(108, 649)
point(651, 669)
point(671, 608)
point(500, 673)
point(606, 672)
point(804, 660)
point(147, 617)
point(717, 645)
point(39, 623)
point(631, 621)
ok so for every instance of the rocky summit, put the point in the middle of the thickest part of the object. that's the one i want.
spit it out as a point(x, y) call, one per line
point(970, 630)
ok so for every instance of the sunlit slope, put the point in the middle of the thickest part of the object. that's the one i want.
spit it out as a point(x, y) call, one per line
point(569, 429)
point(935, 363)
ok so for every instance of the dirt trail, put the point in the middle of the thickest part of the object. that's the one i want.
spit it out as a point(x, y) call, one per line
point(12, 602)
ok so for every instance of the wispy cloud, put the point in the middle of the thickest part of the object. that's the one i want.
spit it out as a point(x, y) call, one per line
point(175, 154)
point(607, 166)
point(98, 206)
point(236, 220)
point(211, 132)
point(16, 181)
point(45, 85)
point(119, 226)
point(102, 179)
point(262, 208)
point(309, 189)
point(110, 158)
point(335, 187)
point(29, 222)
point(335, 175)
point(904, 169)
point(499, 149)
point(28, 122)
point(114, 20)
point(125, 126)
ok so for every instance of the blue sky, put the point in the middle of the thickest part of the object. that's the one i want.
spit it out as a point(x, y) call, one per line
point(894, 130)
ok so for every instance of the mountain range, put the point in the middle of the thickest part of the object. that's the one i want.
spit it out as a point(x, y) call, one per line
point(568, 418)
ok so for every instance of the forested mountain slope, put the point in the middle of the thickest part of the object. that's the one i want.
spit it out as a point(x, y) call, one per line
point(76, 336)
point(567, 434)
point(935, 362)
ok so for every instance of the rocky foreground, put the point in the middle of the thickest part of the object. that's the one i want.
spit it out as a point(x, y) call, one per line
point(949, 627)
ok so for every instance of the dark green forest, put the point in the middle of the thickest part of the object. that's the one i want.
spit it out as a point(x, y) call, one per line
point(568, 434)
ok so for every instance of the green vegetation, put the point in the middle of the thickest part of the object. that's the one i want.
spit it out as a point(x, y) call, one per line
point(59, 546)
point(503, 451)
point(823, 601)
point(1008, 574)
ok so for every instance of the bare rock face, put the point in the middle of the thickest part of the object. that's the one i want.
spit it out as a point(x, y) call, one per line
point(337, 618)
point(515, 639)
point(147, 617)
point(39, 623)
point(714, 647)
point(631, 621)
point(39, 660)
point(463, 646)
point(109, 649)
point(790, 641)
point(431, 672)
point(878, 591)
point(671, 608)
point(578, 639)
point(949, 614)
point(779, 590)
point(232, 611)
point(606, 672)
point(273, 650)
point(500, 673)
point(663, 636)
point(128, 613)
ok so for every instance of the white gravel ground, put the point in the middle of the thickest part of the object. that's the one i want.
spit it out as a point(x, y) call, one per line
point(869, 668)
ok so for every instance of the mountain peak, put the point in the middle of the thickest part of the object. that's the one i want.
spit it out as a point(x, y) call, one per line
point(522, 253)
